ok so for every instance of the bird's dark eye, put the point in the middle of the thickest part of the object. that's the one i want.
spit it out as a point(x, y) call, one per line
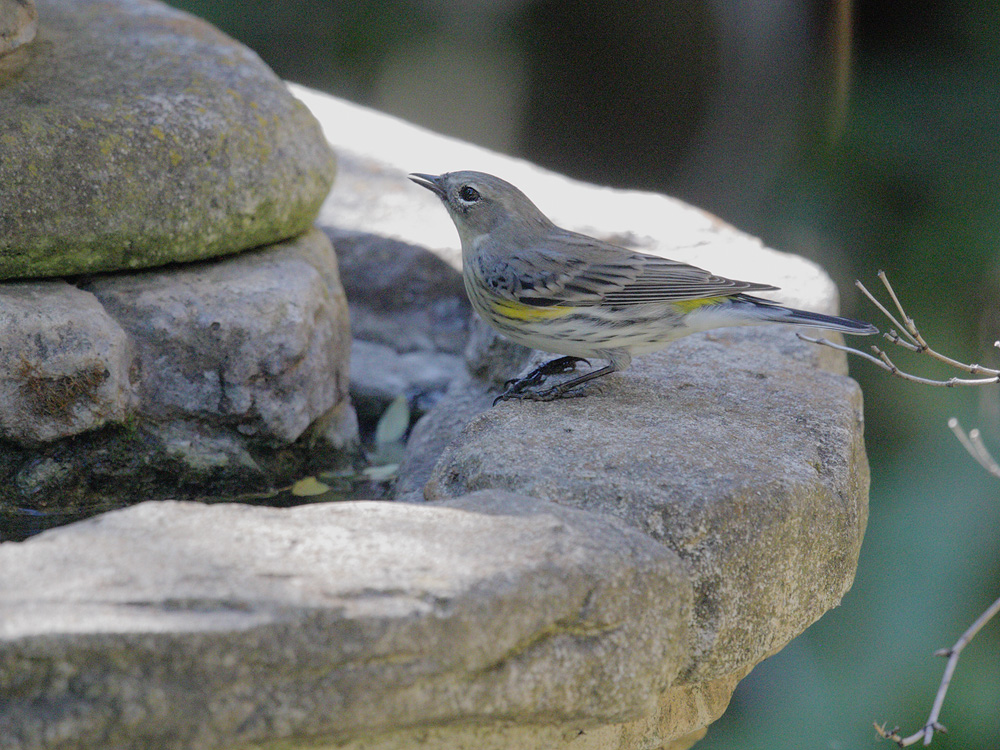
point(468, 194)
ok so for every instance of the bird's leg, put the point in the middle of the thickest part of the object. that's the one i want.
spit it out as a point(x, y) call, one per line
point(618, 360)
point(556, 391)
point(562, 390)
point(538, 375)
point(516, 388)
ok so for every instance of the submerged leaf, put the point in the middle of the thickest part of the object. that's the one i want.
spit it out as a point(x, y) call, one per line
point(394, 422)
point(308, 487)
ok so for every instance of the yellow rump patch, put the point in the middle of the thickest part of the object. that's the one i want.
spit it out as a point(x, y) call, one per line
point(687, 305)
point(528, 313)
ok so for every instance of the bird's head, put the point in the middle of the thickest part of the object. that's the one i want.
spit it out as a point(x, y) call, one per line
point(480, 203)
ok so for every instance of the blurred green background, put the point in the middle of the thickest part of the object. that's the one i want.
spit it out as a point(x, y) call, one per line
point(739, 107)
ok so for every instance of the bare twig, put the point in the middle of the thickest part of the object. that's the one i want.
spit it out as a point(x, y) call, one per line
point(926, 733)
point(973, 443)
point(881, 359)
point(871, 298)
point(910, 339)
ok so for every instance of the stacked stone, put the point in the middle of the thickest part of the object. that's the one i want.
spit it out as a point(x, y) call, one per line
point(590, 573)
point(134, 139)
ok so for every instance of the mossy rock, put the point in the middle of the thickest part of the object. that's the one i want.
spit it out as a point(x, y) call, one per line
point(133, 135)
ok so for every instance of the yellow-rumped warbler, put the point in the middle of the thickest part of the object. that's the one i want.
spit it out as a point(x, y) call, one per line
point(567, 293)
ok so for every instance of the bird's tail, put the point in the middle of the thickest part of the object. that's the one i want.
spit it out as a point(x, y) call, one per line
point(778, 314)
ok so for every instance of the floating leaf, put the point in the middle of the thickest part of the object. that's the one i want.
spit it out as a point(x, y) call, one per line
point(308, 487)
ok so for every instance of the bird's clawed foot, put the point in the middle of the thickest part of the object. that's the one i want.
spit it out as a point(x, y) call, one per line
point(538, 375)
point(517, 388)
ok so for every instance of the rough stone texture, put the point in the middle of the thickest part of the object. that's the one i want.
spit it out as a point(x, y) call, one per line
point(732, 448)
point(232, 625)
point(64, 363)
point(119, 466)
point(409, 315)
point(208, 378)
point(18, 24)
point(133, 135)
point(493, 359)
point(490, 620)
point(259, 341)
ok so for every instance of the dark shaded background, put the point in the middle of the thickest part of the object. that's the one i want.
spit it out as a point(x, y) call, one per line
point(734, 106)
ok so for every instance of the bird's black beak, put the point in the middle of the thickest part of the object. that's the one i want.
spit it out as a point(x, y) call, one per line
point(430, 182)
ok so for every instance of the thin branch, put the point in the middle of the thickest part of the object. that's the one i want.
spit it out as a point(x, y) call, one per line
point(926, 733)
point(896, 339)
point(912, 340)
point(879, 305)
point(973, 443)
point(923, 348)
point(881, 359)
point(911, 325)
point(989, 463)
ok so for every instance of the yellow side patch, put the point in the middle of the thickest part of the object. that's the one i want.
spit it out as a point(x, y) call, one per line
point(687, 305)
point(527, 313)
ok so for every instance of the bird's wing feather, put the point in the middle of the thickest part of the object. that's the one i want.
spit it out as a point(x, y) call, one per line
point(570, 268)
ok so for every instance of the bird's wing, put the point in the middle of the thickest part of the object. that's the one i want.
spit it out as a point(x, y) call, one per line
point(571, 268)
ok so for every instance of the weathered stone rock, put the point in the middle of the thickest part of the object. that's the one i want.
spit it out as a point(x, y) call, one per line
point(223, 379)
point(409, 312)
point(134, 135)
point(731, 448)
point(371, 195)
point(18, 24)
point(488, 620)
point(59, 482)
point(746, 440)
point(64, 363)
point(190, 626)
point(198, 453)
point(260, 341)
point(494, 359)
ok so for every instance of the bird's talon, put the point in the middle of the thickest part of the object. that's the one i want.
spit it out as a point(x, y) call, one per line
point(516, 387)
